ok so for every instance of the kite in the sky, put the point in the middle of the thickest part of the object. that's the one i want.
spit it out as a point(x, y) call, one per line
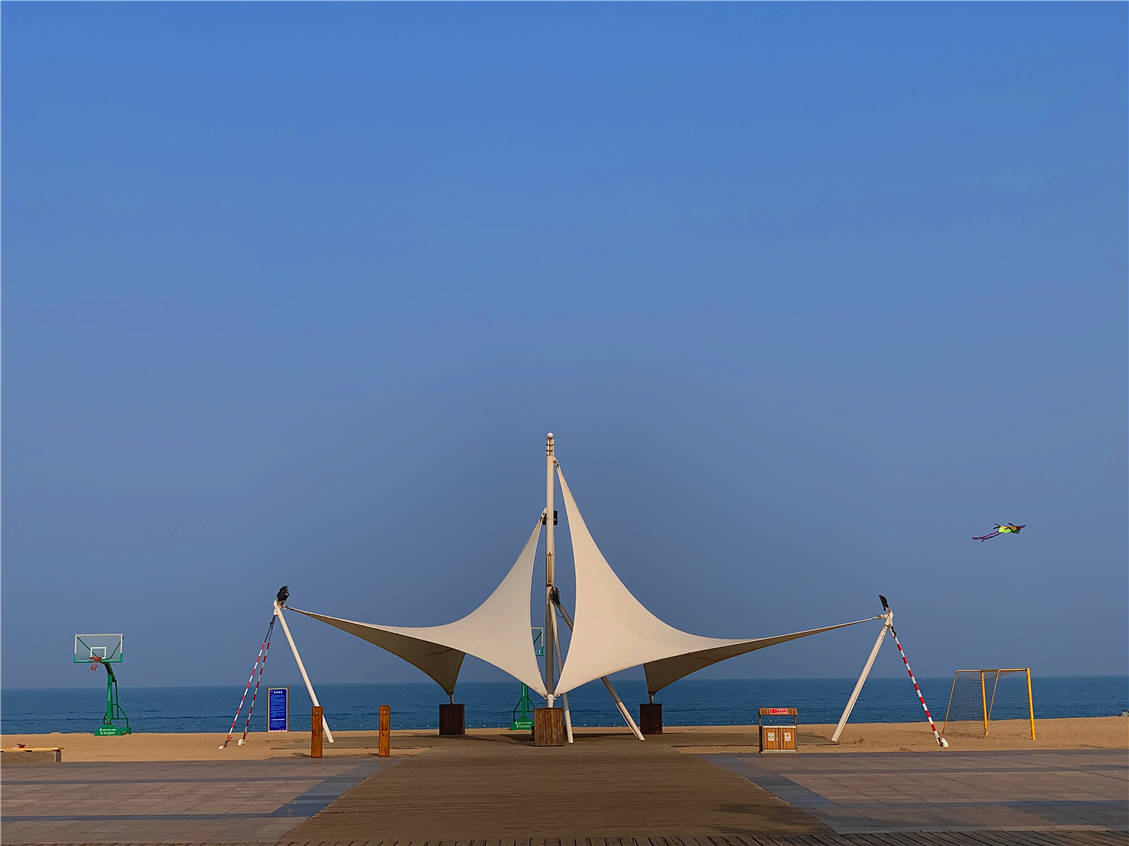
point(1001, 529)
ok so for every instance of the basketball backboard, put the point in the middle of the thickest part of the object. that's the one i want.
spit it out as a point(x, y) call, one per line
point(101, 647)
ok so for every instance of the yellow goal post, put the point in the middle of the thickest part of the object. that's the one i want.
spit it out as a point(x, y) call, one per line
point(975, 691)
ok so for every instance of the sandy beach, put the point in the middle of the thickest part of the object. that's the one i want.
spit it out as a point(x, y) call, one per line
point(1071, 733)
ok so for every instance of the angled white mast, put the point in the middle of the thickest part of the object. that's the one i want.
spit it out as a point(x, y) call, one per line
point(888, 624)
point(301, 669)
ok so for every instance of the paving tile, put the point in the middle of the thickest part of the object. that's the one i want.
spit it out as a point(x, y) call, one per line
point(886, 797)
point(67, 803)
point(982, 791)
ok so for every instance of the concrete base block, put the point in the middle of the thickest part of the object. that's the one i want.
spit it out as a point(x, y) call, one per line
point(30, 755)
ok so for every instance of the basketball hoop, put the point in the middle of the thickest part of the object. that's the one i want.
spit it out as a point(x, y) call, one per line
point(104, 650)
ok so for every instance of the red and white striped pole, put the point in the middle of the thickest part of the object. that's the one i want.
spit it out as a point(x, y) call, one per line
point(940, 740)
point(251, 707)
point(251, 678)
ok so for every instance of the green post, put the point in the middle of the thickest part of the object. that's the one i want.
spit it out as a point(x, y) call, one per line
point(114, 711)
point(525, 721)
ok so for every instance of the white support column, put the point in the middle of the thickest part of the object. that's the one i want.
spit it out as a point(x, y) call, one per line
point(550, 489)
point(302, 669)
point(564, 696)
point(886, 624)
point(622, 708)
point(607, 683)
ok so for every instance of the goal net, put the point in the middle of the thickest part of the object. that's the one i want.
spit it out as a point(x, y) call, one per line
point(991, 703)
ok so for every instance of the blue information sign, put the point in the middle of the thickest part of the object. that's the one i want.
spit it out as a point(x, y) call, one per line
point(278, 709)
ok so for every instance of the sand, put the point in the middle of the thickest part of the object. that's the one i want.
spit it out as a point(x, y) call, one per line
point(1072, 733)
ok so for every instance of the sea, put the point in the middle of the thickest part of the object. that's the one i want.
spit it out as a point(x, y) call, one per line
point(350, 707)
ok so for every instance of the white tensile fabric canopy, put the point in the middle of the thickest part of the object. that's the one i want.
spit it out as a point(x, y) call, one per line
point(613, 631)
point(497, 631)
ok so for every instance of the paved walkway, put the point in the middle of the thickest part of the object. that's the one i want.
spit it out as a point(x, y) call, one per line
point(1058, 790)
point(170, 802)
point(606, 790)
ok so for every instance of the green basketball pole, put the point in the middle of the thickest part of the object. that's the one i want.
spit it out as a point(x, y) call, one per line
point(524, 722)
point(114, 712)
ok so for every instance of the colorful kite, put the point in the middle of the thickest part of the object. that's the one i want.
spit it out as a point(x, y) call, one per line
point(1001, 529)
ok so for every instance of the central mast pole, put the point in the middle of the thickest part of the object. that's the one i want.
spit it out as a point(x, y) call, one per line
point(550, 488)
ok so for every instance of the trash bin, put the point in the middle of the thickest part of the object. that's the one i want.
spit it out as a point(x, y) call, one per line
point(776, 736)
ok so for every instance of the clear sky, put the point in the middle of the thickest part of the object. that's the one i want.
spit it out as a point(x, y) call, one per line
point(810, 294)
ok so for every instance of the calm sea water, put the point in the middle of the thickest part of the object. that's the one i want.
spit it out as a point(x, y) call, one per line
point(490, 704)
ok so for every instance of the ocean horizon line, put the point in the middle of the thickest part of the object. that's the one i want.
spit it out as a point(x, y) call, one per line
point(493, 704)
point(727, 679)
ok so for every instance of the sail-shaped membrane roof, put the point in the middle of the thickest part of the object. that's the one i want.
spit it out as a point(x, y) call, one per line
point(613, 631)
point(497, 631)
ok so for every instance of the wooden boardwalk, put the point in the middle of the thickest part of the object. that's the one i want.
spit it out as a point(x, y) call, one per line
point(609, 786)
point(924, 838)
point(613, 791)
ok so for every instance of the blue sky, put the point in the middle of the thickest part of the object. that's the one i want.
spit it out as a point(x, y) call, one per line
point(810, 294)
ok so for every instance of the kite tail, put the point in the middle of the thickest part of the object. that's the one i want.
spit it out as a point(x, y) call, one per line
point(987, 536)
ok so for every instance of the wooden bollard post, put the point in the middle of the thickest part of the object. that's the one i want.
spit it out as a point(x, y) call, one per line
point(385, 747)
point(548, 727)
point(315, 732)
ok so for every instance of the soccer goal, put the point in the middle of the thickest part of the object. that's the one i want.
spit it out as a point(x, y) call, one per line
point(991, 701)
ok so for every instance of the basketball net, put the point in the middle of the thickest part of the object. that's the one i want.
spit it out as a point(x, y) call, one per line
point(95, 660)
